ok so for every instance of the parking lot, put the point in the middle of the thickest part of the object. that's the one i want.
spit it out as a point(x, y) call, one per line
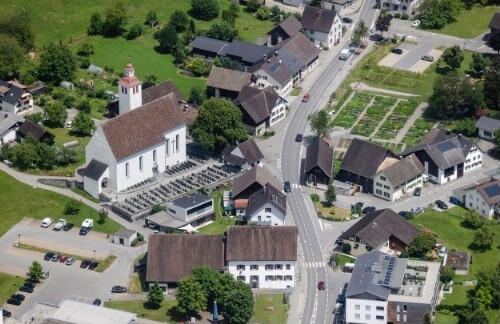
point(410, 59)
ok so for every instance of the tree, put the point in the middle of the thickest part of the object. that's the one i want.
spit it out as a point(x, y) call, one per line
point(11, 57)
point(330, 194)
point(197, 95)
point(435, 14)
point(473, 219)
point(229, 17)
point(47, 156)
point(180, 54)
point(383, 23)
point(65, 156)
point(473, 316)
point(134, 32)
point(492, 84)
point(466, 127)
point(317, 3)
point(494, 41)
point(155, 296)
point(211, 284)
point(167, 37)
point(483, 238)
point(57, 63)
point(5, 151)
point(157, 208)
point(346, 248)
point(84, 107)
point(55, 114)
point(218, 123)
point(421, 244)
point(83, 125)
point(85, 49)
point(253, 5)
point(103, 216)
point(150, 17)
point(96, 25)
point(275, 13)
point(150, 80)
point(115, 18)
point(72, 207)
point(199, 67)
point(35, 271)
point(263, 13)
point(222, 31)
point(447, 274)
point(180, 20)
point(454, 96)
point(360, 32)
point(479, 63)
point(190, 296)
point(453, 56)
point(486, 292)
point(205, 9)
point(16, 23)
point(25, 156)
point(320, 123)
point(240, 309)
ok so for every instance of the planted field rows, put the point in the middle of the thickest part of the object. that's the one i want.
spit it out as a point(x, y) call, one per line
point(374, 115)
point(350, 113)
point(397, 119)
point(417, 132)
point(395, 147)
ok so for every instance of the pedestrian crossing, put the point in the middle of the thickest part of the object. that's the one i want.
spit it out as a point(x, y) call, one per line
point(312, 265)
point(295, 185)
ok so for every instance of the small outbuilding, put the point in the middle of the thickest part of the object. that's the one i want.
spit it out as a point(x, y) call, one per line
point(459, 260)
point(66, 85)
point(487, 127)
point(94, 69)
point(125, 237)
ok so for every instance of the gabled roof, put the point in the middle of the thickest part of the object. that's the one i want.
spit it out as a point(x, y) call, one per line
point(256, 174)
point(95, 170)
point(9, 120)
point(246, 52)
point(228, 79)
point(9, 92)
point(30, 128)
point(364, 158)
point(268, 194)
point(172, 257)
point(160, 90)
point(125, 233)
point(317, 19)
point(301, 48)
point(142, 127)
point(319, 154)
point(377, 227)
point(489, 191)
point(247, 151)
point(495, 21)
point(290, 26)
point(261, 243)
point(403, 170)
point(258, 103)
point(208, 44)
point(458, 259)
point(487, 123)
point(280, 68)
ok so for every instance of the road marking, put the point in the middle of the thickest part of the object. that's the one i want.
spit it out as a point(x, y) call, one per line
point(314, 265)
point(328, 226)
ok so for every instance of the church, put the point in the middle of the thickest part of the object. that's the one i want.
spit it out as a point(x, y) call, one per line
point(147, 137)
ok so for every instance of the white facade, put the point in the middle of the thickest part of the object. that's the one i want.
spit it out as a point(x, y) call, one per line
point(264, 80)
point(401, 6)
point(474, 160)
point(94, 187)
point(329, 39)
point(382, 188)
point(193, 212)
point(365, 311)
point(278, 113)
point(267, 214)
point(129, 91)
point(487, 135)
point(474, 200)
point(8, 136)
point(24, 104)
point(264, 274)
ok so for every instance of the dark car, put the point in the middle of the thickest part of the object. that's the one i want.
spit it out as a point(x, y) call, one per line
point(13, 301)
point(287, 187)
point(397, 51)
point(346, 20)
point(339, 241)
point(68, 226)
point(441, 204)
point(321, 285)
point(403, 213)
point(299, 138)
point(454, 201)
point(418, 191)
point(85, 263)
point(27, 289)
point(48, 256)
point(6, 313)
point(97, 302)
point(368, 209)
point(84, 230)
point(118, 289)
point(93, 265)
point(30, 284)
point(18, 296)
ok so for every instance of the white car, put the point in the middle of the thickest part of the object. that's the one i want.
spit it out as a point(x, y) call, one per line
point(415, 23)
point(60, 224)
point(47, 221)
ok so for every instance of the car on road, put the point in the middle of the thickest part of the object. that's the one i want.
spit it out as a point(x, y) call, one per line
point(321, 285)
point(27, 289)
point(47, 221)
point(346, 20)
point(299, 138)
point(21, 297)
point(368, 209)
point(428, 58)
point(118, 289)
point(68, 226)
point(306, 97)
point(418, 191)
point(441, 204)
point(93, 265)
point(55, 257)
point(6, 313)
point(60, 224)
point(339, 241)
point(84, 230)
point(287, 187)
point(397, 51)
point(84, 264)
point(13, 301)
point(48, 256)
point(70, 261)
point(415, 23)
point(454, 201)
point(97, 302)
point(63, 258)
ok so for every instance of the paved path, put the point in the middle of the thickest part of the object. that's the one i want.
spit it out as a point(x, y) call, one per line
point(361, 86)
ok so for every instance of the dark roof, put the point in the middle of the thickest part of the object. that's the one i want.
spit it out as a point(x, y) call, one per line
point(403, 170)
point(317, 19)
point(258, 103)
point(489, 191)
point(257, 243)
point(142, 127)
point(319, 154)
point(247, 151)
point(377, 227)
point(487, 123)
point(495, 21)
point(246, 52)
point(228, 79)
point(171, 257)
point(290, 26)
point(458, 259)
point(256, 174)
point(268, 194)
point(10, 93)
point(190, 200)
point(95, 169)
point(280, 68)
point(364, 158)
point(160, 90)
point(301, 48)
point(208, 44)
point(28, 127)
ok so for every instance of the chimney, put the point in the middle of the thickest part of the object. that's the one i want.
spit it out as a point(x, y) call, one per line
point(268, 61)
point(265, 57)
point(279, 62)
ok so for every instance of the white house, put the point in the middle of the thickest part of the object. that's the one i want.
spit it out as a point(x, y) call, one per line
point(244, 155)
point(266, 207)
point(14, 97)
point(9, 124)
point(192, 207)
point(486, 127)
point(484, 198)
point(322, 26)
point(263, 257)
point(401, 6)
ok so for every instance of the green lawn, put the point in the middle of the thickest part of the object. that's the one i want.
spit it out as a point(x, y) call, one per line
point(163, 314)
point(446, 318)
point(470, 23)
point(39, 203)
point(277, 316)
point(221, 222)
point(458, 296)
point(8, 286)
point(343, 259)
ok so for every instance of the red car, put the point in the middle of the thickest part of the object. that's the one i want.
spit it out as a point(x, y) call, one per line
point(321, 285)
point(63, 258)
point(306, 97)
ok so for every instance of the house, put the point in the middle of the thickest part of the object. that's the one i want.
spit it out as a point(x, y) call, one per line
point(459, 260)
point(251, 181)
point(266, 207)
point(322, 26)
point(388, 289)
point(244, 155)
point(446, 156)
point(261, 108)
point(172, 257)
point(284, 30)
point(304, 51)
point(206, 47)
point(361, 163)
point(402, 7)
point(318, 166)
point(495, 23)
point(484, 198)
point(227, 84)
point(38, 88)
point(340, 6)
point(263, 257)
point(399, 178)
point(486, 126)
point(125, 237)
point(9, 124)
point(35, 130)
point(14, 97)
point(381, 230)
point(245, 54)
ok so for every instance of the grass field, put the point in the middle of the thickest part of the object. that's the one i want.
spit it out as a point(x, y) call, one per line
point(39, 203)
point(8, 286)
point(279, 313)
point(137, 306)
point(458, 296)
point(219, 226)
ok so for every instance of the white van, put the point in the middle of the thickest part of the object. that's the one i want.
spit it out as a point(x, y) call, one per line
point(344, 54)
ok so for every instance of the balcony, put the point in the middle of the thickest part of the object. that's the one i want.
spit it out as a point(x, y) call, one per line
point(396, 2)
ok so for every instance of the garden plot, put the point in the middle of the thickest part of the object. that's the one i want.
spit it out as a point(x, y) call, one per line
point(374, 114)
point(350, 113)
point(395, 147)
point(397, 119)
point(417, 132)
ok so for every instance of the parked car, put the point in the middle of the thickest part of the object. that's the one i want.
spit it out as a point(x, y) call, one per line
point(30, 284)
point(442, 251)
point(441, 204)
point(403, 213)
point(63, 258)
point(47, 221)
point(84, 230)
point(93, 265)
point(118, 289)
point(97, 302)
point(415, 23)
point(418, 191)
point(321, 285)
point(299, 138)
point(6, 313)
point(70, 261)
point(48, 256)
point(68, 226)
point(55, 257)
point(27, 289)
point(339, 241)
point(287, 187)
point(428, 58)
point(454, 201)
point(417, 210)
point(12, 301)
point(60, 224)
point(21, 297)
point(397, 51)
point(346, 20)
point(368, 209)
point(306, 97)
point(84, 264)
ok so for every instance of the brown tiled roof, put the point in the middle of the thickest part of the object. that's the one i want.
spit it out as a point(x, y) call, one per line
point(250, 153)
point(257, 103)
point(142, 127)
point(241, 203)
point(228, 79)
point(495, 21)
point(318, 19)
point(254, 243)
point(171, 257)
point(458, 260)
point(403, 170)
point(319, 154)
point(291, 26)
point(302, 48)
point(490, 191)
point(160, 90)
point(257, 174)
point(268, 194)
point(130, 81)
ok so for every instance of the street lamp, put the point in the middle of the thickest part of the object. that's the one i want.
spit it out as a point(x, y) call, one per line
point(19, 236)
point(94, 254)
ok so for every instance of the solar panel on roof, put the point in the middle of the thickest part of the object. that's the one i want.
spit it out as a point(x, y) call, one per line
point(387, 257)
point(492, 191)
point(274, 67)
point(445, 146)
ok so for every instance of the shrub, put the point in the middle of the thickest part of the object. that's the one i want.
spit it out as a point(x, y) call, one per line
point(346, 248)
point(314, 198)
point(157, 208)
point(405, 16)
point(134, 32)
point(268, 134)
point(140, 237)
point(134, 242)
point(397, 15)
point(84, 62)
point(72, 207)
point(263, 13)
